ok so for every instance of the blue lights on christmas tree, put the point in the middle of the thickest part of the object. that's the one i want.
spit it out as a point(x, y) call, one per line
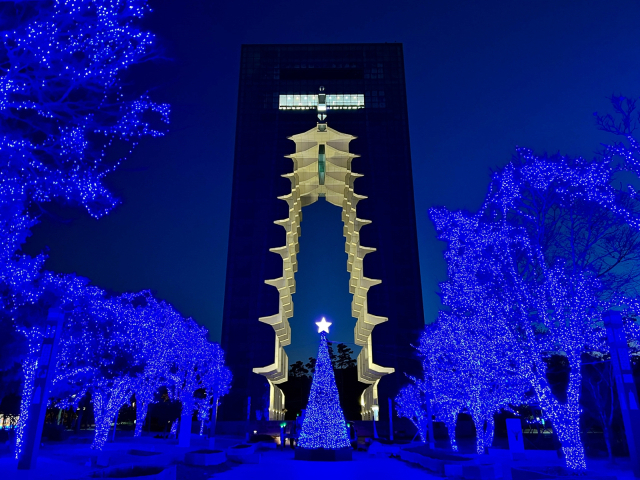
point(324, 425)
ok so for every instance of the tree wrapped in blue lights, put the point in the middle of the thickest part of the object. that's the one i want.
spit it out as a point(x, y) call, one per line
point(411, 403)
point(47, 291)
point(554, 246)
point(187, 372)
point(100, 356)
point(324, 426)
point(500, 249)
point(216, 383)
point(62, 105)
point(471, 365)
point(157, 342)
point(468, 366)
point(107, 353)
point(133, 344)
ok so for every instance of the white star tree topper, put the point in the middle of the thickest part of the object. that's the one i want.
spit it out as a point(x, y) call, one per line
point(323, 325)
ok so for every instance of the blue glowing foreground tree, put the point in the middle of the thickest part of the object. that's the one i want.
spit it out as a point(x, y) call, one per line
point(48, 290)
point(324, 426)
point(101, 355)
point(61, 106)
point(195, 365)
point(555, 245)
point(471, 365)
point(411, 403)
point(115, 347)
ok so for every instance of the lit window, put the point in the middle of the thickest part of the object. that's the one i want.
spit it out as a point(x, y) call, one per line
point(335, 102)
point(321, 164)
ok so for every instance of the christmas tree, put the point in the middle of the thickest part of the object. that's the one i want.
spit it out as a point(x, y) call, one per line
point(324, 426)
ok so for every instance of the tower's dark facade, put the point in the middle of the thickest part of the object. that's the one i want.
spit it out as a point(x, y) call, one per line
point(266, 72)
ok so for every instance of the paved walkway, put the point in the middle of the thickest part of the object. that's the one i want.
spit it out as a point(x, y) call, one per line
point(66, 461)
point(273, 464)
point(72, 462)
point(281, 465)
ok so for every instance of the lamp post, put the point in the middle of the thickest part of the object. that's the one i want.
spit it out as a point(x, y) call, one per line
point(248, 434)
point(375, 409)
point(390, 419)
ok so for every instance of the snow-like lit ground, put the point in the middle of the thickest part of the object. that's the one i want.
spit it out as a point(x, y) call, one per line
point(281, 465)
point(69, 461)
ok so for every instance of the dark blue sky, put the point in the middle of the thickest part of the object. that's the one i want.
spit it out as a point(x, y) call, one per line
point(482, 77)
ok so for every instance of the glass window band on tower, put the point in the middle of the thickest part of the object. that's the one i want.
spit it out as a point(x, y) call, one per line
point(335, 102)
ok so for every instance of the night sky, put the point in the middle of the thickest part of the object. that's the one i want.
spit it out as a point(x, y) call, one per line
point(482, 77)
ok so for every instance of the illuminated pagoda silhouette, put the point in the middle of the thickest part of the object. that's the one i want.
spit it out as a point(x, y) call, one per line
point(324, 433)
point(361, 165)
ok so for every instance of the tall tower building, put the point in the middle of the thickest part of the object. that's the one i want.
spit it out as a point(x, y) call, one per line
point(288, 154)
